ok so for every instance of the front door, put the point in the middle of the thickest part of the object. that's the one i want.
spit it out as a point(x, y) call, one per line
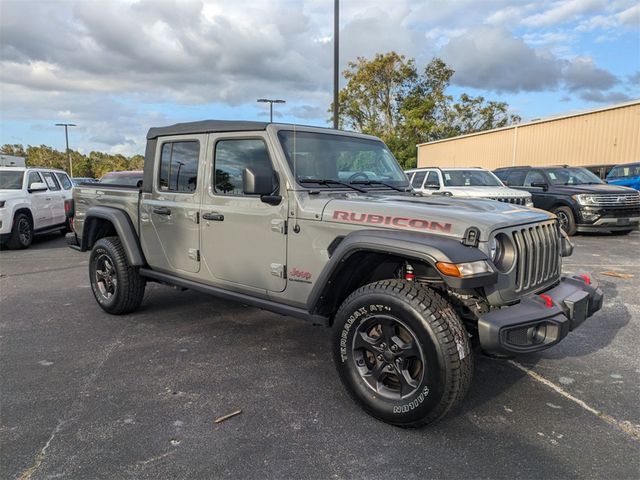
point(170, 232)
point(243, 239)
point(40, 203)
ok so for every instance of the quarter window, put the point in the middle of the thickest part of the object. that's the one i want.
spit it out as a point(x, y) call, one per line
point(179, 167)
point(432, 180)
point(418, 178)
point(51, 181)
point(232, 157)
point(534, 176)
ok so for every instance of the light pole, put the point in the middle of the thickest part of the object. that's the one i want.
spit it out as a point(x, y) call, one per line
point(270, 102)
point(66, 136)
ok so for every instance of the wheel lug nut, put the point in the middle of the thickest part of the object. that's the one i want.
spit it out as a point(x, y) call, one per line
point(389, 367)
point(380, 357)
point(383, 345)
point(394, 348)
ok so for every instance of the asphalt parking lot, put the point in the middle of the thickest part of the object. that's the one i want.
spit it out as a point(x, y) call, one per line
point(88, 395)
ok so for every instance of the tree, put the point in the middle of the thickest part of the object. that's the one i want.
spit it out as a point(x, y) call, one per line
point(387, 97)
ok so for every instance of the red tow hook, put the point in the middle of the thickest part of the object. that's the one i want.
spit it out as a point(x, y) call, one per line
point(548, 301)
point(586, 278)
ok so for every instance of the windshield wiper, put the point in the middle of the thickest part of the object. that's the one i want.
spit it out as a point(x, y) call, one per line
point(330, 181)
point(378, 182)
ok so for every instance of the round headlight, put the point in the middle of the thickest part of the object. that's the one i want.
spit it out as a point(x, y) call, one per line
point(502, 252)
point(494, 247)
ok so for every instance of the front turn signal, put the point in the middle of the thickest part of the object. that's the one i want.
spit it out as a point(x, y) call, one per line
point(467, 269)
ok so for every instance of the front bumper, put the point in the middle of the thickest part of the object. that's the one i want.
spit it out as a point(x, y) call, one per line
point(540, 321)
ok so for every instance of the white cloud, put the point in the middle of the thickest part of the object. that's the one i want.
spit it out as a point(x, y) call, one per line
point(562, 11)
point(492, 58)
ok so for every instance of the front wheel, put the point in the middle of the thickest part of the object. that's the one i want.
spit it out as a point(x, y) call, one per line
point(21, 232)
point(566, 220)
point(402, 352)
point(117, 286)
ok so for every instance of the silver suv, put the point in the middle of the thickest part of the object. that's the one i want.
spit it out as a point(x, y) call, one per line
point(465, 182)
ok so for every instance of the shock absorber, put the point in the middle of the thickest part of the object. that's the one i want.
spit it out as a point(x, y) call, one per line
point(408, 272)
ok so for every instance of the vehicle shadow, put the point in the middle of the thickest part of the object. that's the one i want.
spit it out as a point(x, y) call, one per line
point(42, 242)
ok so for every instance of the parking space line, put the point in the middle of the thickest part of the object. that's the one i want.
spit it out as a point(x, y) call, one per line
point(627, 427)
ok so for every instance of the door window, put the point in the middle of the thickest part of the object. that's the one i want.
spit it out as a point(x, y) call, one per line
point(534, 176)
point(432, 180)
point(64, 180)
point(516, 178)
point(179, 167)
point(51, 181)
point(418, 178)
point(232, 156)
point(34, 177)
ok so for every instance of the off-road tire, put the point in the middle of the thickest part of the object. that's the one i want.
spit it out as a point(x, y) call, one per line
point(21, 232)
point(566, 219)
point(128, 291)
point(436, 328)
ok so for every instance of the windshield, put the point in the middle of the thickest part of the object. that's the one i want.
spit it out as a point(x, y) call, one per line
point(572, 176)
point(470, 178)
point(624, 171)
point(340, 158)
point(11, 180)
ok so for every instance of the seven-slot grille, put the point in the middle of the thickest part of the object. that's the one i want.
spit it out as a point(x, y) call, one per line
point(538, 255)
point(514, 200)
point(617, 200)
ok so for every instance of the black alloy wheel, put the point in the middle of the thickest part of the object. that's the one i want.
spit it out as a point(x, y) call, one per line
point(389, 358)
point(106, 278)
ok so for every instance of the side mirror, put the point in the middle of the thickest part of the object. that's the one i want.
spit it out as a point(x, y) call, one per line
point(543, 185)
point(260, 181)
point(37, 187)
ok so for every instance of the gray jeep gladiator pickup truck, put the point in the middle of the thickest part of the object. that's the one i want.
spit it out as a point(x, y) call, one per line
point(321, 224)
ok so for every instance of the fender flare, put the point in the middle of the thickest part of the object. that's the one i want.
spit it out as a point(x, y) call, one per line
point(420, 246)
point(124, 228)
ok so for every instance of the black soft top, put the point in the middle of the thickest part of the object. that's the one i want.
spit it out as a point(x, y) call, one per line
point(206, 126)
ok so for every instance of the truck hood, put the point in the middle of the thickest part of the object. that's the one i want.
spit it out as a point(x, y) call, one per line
point(479, 192)
point(600, 188)
point(449, 216)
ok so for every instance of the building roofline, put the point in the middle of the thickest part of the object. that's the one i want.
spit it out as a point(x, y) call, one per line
point(542, 120)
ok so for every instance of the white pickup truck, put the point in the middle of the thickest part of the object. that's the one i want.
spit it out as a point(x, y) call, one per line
point(465, 182)
point(32, 201)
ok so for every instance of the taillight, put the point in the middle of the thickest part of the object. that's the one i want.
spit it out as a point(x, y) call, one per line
point(68, 208)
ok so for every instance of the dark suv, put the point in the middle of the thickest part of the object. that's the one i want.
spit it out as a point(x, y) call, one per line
point(582, 202)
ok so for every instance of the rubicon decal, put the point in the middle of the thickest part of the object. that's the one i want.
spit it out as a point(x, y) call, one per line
point(402, 222)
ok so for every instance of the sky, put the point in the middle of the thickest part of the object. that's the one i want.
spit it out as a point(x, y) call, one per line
point(118, 67)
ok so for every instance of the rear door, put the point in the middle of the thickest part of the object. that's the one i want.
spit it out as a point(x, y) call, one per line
point(55, 198)
point(169, 215)
point(243, 239)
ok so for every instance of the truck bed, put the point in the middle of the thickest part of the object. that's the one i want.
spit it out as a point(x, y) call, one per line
point(89, 195)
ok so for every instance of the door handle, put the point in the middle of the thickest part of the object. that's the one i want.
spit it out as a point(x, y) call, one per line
point(162, 211)
point(215, 216)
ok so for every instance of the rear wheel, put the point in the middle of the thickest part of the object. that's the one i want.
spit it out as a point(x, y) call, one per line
point(401, 352)
point(21, 233)
point(566, 220)
point(117, 286)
